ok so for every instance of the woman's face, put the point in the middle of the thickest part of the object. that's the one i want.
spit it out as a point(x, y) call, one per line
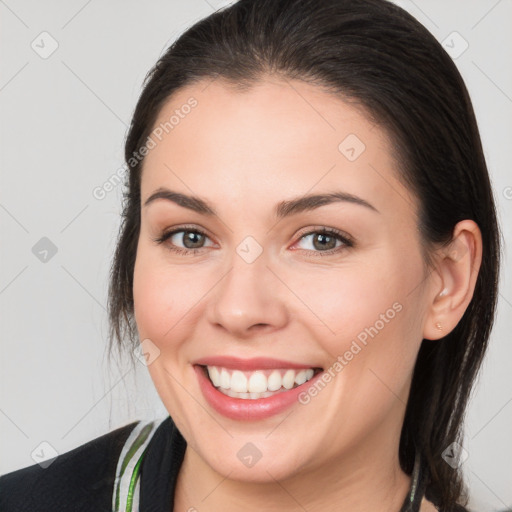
point(264, 288)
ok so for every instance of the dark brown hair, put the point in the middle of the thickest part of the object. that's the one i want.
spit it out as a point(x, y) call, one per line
point(377, 56)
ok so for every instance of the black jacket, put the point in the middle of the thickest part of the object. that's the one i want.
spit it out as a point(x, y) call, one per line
point(82, 480)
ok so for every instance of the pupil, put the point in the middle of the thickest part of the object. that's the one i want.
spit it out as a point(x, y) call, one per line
point(190, 236)
point(323, 244)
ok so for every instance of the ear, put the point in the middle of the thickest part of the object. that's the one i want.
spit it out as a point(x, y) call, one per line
point(457, 266)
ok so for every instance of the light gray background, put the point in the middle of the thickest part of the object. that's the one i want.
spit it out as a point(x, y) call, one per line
point(63, 122)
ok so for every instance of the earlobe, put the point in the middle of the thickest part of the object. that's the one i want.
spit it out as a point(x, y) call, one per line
point(457, 266)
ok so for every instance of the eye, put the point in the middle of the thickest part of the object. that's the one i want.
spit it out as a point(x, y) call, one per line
point(192, 240)
point(325, 241)
point(322, 241)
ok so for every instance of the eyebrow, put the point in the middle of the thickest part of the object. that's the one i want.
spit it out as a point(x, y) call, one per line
point(282, 209)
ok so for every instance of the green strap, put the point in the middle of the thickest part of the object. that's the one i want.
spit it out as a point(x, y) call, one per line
point(133, 483)
point(129, 466)
point(141, 438)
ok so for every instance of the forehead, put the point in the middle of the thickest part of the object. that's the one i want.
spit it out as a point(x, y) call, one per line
point(277, 137)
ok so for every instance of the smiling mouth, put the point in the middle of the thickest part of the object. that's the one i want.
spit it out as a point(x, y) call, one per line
point(252, 385)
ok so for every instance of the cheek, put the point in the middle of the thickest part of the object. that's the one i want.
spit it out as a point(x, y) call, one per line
point(373, 327)
point(153, 301)
point(348, 302)
point(164, 298)
point(168, 299)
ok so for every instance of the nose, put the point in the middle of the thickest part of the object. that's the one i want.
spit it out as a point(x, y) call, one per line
point(247, 301)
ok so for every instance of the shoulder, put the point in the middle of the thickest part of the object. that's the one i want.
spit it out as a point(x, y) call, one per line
point(79, 480)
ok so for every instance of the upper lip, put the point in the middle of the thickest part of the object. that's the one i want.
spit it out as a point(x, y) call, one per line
point(256, 363)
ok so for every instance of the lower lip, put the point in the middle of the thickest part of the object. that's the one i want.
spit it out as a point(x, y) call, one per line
point(248, 409)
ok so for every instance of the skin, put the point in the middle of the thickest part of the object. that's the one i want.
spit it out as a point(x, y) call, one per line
point(244, 152)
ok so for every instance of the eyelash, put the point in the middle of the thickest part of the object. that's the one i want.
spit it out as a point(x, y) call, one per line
point(342, 237)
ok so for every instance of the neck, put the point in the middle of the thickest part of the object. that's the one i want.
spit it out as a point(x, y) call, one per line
point(370, 479)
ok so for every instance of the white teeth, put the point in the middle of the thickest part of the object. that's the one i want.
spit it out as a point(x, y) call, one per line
point(214, 374)
point(238, 382)
point(257, 384)
point(289, 379)
point(274, 381)
point(225, 379)
point(300, 378)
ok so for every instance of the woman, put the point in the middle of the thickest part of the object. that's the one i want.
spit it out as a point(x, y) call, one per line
point(308, 262)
